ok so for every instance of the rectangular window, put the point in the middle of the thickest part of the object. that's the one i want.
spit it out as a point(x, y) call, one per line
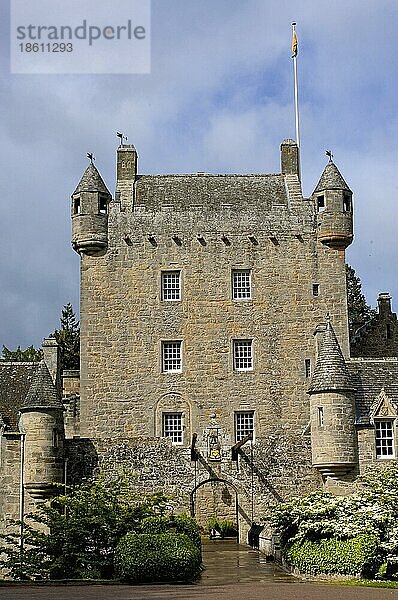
point(346, 203)
point(243, 355)
point(76, 206)
point(171, 285)
point(384, 439)
point(320, 203)
point(241, 284)
point(172, 427)
point(315, 289)
point(103, 205)
point(244, 424)
point(307, 366)
point(321, 420)
point(171, 357)
point(388, 331)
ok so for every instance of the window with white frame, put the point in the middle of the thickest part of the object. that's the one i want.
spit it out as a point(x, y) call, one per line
point(241, 284)
point(171, 357)
point(172, 427)
point(244, 424)
point(171, 285)
point(243, 355)
point(384, 430)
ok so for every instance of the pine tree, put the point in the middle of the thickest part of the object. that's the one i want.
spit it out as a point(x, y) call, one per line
point(359, 312)
point(68, 338)
point(30, 354)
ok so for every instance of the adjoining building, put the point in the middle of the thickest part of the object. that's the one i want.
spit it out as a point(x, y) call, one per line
point(215, 358)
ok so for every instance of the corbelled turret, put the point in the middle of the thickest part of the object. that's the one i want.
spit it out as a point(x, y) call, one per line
point(332, 410)
point(42, 422)
point(333, 202)
point(90, 202)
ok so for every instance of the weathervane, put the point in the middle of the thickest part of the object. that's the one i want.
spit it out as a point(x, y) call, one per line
point(91, 156)
point(121, 137)
point(329, 154)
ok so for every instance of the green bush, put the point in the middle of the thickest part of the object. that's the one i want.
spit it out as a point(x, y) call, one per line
point(225, 527)
point(354, 556)
point(167, 556)
point(180, 524)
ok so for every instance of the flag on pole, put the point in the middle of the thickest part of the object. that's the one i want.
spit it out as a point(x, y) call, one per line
point(294, 45)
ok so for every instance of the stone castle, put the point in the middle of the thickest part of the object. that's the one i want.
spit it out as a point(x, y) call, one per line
point(215, 356)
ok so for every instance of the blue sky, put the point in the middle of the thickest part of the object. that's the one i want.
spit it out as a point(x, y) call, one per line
point(219, 99)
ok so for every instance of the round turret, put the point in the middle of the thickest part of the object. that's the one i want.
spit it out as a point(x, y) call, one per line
point(42, 422)
point(90, 202)
point(333, 203)
point(332, 411)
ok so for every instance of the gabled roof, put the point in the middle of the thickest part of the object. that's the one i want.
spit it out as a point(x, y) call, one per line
point(91, 182)
point(331, 372)
point(42, 392)
point(370, 377)
point(331, 179)
point(263, 192)
point(15, 381)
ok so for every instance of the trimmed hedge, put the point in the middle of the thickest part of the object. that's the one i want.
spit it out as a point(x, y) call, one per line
point(180, 524)
point(354, 556)
point(143, 558)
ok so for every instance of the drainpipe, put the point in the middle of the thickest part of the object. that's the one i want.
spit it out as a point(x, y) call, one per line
point(21, 498)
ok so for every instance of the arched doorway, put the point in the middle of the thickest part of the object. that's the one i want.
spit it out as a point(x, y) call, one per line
point(215, 498)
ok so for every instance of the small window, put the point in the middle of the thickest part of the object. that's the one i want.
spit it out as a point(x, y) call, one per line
point(103, 205)
point(243, 355)
point(171, 285)
point(244, 424)
point(172, 427)
point(384, 431)
point(171, 357)
point(241, 284)
point(315, 289)
point(347, 203)
point(76, 206)
point(56, 438)
point(388, 331)
point(320, 204)
point(321, 420)
point(307, 366)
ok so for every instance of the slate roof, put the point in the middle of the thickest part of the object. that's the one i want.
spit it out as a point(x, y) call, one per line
point(235, 191)
point(42, 392)
point(15, 381)
point(331, 179)
point(91, 181)
point(331, 372)
point(370, 375)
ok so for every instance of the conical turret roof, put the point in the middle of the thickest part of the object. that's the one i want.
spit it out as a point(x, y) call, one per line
point(331, 179)
point(331, 372)
point(91, 181)
point(42, 392)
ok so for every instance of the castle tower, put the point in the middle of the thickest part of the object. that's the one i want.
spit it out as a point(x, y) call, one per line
point(90, 202)
point(42, 422)
point(332, 411)
point(333, 202)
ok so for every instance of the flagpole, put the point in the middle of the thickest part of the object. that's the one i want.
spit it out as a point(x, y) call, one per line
point(296, 88)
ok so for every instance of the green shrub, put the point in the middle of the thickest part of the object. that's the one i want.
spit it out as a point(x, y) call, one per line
point(225, 527)
point(167, 556)
point(180, 524)
point(354, 556)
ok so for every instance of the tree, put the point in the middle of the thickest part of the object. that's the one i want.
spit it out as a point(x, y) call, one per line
point(74, 536)
point(359, 312)
point(30, 354)
point(68, 338)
